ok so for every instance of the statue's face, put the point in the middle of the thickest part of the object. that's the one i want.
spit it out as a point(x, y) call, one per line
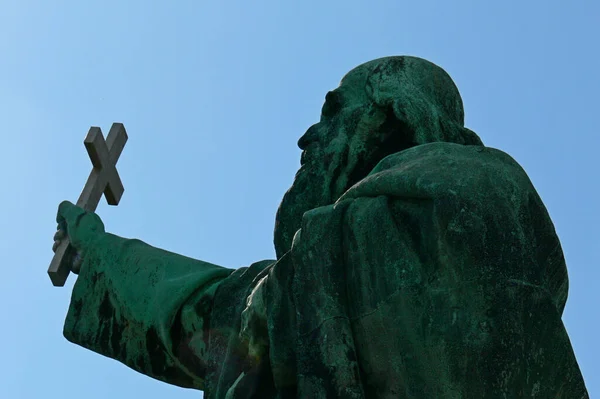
point(333, 156)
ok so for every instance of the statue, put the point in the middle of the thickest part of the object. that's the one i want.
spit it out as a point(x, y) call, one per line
point(412, 262)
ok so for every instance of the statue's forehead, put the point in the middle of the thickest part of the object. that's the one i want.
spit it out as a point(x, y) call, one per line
point(353, 84)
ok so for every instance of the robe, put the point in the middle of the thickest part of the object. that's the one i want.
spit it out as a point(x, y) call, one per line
point(439, 275)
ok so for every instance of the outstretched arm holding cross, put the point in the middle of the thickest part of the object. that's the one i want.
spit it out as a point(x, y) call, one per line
point(143, 306)
point(139, 304)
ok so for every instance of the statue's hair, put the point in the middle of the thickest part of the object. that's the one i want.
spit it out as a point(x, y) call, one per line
point(419, 93)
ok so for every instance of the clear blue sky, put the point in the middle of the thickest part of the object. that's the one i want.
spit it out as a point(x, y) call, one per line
point(214, 96)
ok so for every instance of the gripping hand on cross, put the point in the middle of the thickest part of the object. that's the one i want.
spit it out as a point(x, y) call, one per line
point(81, 227)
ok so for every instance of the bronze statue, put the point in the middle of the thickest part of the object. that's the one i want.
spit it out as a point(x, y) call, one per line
point(412, 262)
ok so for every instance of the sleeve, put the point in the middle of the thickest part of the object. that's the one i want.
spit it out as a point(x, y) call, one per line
point(145, 307)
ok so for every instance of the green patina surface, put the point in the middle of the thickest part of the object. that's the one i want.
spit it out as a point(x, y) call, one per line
point(412, 262)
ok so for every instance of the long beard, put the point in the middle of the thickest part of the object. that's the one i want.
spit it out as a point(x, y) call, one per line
point(309, 190)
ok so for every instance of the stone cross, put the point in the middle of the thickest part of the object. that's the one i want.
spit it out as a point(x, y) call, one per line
point(103, 179)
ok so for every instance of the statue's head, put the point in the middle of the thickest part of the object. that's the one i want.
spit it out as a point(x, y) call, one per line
point(380, 108)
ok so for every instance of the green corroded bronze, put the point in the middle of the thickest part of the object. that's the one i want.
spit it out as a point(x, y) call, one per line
point(412, 262)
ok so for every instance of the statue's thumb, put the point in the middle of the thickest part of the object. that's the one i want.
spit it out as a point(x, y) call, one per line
point(81, 226)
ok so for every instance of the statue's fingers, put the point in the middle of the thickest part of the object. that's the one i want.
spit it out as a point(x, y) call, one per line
point(81, 226)
point(55, 245)
point(59, 235)
point(68, 213)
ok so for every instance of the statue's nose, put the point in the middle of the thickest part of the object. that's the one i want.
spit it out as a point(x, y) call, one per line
point(308, 137)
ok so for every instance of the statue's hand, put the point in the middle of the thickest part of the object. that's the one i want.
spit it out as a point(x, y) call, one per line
point(81, 227)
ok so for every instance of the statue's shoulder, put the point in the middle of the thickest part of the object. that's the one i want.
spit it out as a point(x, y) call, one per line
point(435, 169)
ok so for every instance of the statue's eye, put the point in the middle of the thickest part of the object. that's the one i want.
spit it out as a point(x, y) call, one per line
point(332, 105)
